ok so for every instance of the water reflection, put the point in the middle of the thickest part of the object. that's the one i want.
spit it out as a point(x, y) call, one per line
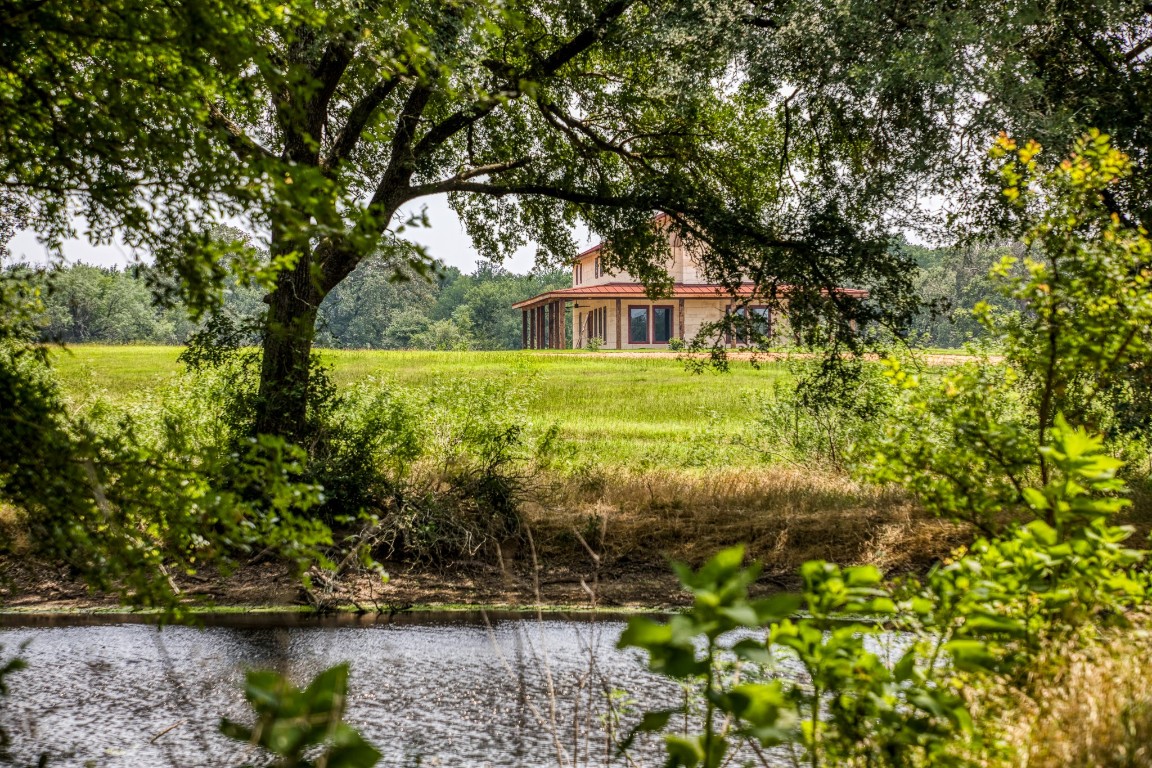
point(441, 690)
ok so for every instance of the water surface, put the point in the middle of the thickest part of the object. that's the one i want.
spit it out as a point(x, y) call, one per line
point(440, 689)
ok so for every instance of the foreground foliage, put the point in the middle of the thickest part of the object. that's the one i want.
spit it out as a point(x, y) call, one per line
point(303, 728)
point(1007, 449)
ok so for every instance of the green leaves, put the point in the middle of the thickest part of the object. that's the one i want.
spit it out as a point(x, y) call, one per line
point(291, 722)
point(845, 705)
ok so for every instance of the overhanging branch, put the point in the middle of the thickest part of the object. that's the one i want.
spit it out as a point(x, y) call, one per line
point(240, 143)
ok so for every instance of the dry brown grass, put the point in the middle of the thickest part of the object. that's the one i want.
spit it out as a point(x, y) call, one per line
point(785, 515)
point(1094, 710)
point(13, 536)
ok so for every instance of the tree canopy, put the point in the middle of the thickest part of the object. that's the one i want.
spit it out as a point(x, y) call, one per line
point(787, 140)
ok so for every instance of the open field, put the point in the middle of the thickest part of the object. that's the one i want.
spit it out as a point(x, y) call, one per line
point(639, 426)
point(625, 408)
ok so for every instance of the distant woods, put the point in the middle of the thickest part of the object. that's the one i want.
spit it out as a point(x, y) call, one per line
point(451, 310)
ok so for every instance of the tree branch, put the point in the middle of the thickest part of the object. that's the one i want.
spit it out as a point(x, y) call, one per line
point(543, 190)
point(362, 112)
point(456, 122)
point(447, 185)
point(240, 143)
point(1133, 54)
point(331, 67)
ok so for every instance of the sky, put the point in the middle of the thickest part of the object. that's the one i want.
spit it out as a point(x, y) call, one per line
point(445, 240)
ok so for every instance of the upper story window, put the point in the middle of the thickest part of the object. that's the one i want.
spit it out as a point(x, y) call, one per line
point(598, 271)
point(578, 273)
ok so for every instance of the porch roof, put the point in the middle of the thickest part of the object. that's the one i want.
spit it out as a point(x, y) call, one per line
point(636, 291)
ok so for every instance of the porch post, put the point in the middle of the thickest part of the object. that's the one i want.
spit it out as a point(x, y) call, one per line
point(682, 320)
point(549, 325)
point(523, 329)
point(551, 331)
point(563, 325)
point(619, 341)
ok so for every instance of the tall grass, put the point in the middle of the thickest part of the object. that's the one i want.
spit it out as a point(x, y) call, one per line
point(614, 410)
point(1088, 706)
point(785, 515)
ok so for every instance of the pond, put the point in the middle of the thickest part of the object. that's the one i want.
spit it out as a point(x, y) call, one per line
point(459, 689)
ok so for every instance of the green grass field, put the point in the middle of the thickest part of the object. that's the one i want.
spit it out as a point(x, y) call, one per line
point(624, 408)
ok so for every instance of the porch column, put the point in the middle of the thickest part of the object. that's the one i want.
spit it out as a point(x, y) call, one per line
point(682, 320)
point(551, 325)
point(563, 326)
point(619, 340)
point(523, 329)
point(557, 319)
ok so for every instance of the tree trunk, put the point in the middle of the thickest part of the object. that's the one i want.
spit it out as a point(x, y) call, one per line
point(290, 326)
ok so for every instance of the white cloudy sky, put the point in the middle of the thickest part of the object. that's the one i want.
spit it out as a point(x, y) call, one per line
point(445, 240)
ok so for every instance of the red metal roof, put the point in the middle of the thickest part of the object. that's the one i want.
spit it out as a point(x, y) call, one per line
point(635, 290)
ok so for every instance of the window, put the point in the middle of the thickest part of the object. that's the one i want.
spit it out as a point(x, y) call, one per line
point(759, 323)
point(637, 325)
point(577, 273)
point(598, 271)
point(649, 325)
point(750, 324)
point(661, 324)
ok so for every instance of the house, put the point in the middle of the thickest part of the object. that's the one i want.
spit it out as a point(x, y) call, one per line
point(614, 308)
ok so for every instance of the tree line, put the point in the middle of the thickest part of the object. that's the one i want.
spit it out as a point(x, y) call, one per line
point(382, 309)
point(385, 307)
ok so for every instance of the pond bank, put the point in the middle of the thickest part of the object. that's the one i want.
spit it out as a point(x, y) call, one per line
point(38, 587)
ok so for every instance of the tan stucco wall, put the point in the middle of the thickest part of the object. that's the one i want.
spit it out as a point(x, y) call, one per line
point(697, 312)
point(682, 266)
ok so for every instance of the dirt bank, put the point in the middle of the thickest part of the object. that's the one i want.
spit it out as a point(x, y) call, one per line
point(587, 546)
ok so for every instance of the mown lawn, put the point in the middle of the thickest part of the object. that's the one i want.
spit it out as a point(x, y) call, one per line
point(624, 409)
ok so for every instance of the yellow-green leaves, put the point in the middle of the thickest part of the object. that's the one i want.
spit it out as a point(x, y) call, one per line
point(292, 723)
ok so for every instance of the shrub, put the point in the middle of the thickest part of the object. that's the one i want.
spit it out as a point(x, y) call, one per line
point(127, 500)
point(468, 491)
point(981, 619)
point(822, 417)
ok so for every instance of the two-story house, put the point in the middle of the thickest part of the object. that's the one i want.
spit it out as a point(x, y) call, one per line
point(614, 308)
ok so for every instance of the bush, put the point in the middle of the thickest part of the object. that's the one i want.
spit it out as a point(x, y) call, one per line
point(469, 487)
point(128, 498)
point(820, 418)
point(423, 474)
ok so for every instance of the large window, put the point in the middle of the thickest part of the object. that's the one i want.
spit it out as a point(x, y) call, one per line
point(751, 325)
point(661, 324)
point(649, 325)
point(759, 323)
point(637, 325)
